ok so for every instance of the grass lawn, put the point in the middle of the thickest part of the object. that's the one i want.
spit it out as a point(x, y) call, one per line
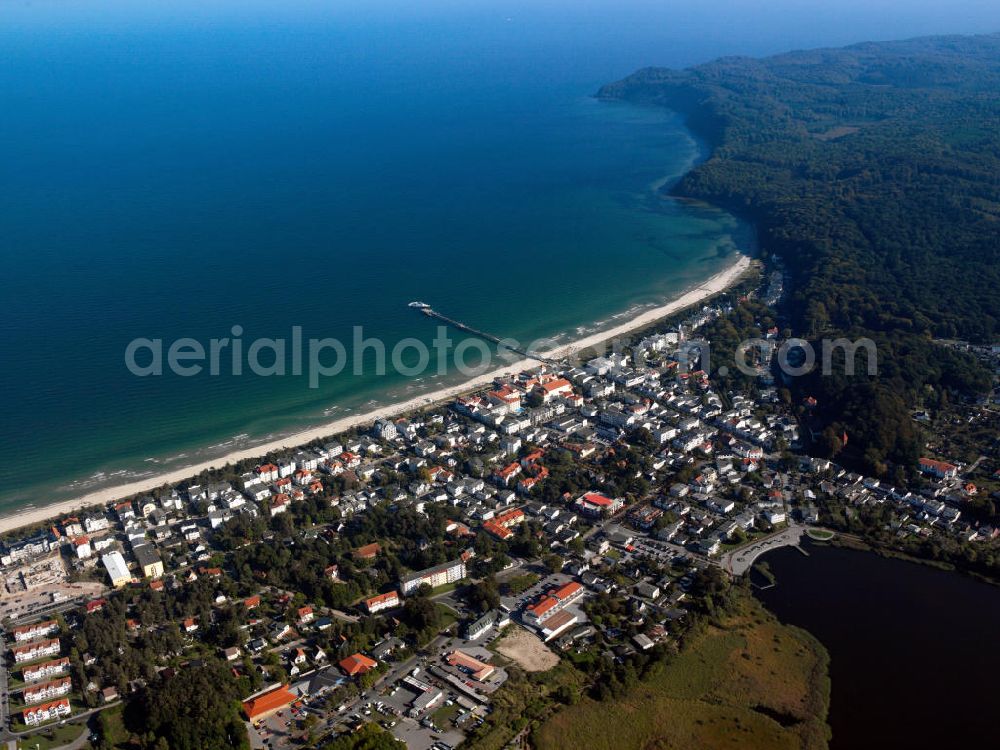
point(448, 615)
point(111, 727)
point(821, 535)
point(752, 683)
point(519, 584)
point(54, 736)
point(444, 717)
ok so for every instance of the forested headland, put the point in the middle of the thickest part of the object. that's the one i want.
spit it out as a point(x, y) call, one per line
point(873, 171)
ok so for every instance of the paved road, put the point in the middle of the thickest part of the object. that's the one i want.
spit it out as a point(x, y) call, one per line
point(740, 560)
point(975, 465)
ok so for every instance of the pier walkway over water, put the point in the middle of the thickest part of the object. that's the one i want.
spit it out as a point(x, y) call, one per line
point(432, 313)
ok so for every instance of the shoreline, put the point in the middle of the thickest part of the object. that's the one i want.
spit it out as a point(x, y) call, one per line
point(706, 289)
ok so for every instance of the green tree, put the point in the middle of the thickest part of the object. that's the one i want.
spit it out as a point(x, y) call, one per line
point(553, 563)
point(195, 709)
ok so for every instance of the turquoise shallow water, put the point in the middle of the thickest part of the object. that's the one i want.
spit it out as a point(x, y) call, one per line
point(175, 169)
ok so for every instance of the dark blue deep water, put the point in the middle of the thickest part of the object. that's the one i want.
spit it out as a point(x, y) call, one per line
point(912, 654)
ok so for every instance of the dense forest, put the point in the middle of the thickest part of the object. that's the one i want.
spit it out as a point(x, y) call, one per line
point(873, 171)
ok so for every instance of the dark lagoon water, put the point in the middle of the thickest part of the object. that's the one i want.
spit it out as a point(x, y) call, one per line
point(172, 169)
point(913, 658)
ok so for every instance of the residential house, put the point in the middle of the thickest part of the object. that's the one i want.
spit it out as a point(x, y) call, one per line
point(594, 505)
point(357, 664)
point(381, 602)
point(36, 650)
point(47, 712)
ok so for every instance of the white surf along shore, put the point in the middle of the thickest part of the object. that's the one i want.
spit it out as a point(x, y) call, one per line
point(693, 296)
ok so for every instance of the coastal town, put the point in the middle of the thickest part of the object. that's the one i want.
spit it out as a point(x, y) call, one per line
point(402, 573)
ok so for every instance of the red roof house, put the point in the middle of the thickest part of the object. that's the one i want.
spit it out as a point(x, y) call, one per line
point(357, 664)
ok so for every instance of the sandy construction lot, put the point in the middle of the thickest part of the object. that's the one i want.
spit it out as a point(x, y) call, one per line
point(527, 650)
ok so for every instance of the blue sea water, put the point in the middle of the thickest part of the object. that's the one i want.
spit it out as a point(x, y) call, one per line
point(173, 169)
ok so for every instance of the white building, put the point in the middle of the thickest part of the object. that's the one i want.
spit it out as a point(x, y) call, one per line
point(81, 545)
point(775, 516)
point(46, 669)
point(437, 576)
point(381, 602)
point(384, 430)
point(93, 524)
point(35, 630)
point(37, 650)
point(47, 712)
point(594, 504)
point(118, 571)
point(47, 691)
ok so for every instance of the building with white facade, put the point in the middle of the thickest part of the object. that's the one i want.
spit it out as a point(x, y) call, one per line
point(47, 712)
point(36, 650)
point(36, 630)
point(118, 571)
point(47, 691)
point(437, 576)
point(384, 430)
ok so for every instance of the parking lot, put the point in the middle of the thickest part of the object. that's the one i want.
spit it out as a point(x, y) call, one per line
point(419, 737)
point(516, 603)
point(390, 711)
point(275, 731)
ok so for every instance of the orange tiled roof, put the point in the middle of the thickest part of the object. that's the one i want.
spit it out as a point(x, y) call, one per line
point(494, 528)
point(357, 664)
point(939, 465)
point(566, 590)
point(270, 701)
point(381, 599)
point(540, 608)
point(596, 499)
point(369, 550)
point(556, 385)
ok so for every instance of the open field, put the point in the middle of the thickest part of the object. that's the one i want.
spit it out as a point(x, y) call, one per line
point(53, 736)
point(752, 683)
point(527, 650)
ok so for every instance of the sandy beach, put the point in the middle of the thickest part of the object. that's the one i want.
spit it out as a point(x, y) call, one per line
point(693, 296)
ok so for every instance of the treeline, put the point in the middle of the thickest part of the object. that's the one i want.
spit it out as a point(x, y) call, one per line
point(874, 172)
point(873, 525)
point(264, 553)
point(196, 708)
point(368, 737)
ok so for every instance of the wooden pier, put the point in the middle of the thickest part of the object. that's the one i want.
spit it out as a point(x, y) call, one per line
point(432, 313)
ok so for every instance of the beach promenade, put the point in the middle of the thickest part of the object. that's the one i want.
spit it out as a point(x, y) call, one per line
point(103, 496)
